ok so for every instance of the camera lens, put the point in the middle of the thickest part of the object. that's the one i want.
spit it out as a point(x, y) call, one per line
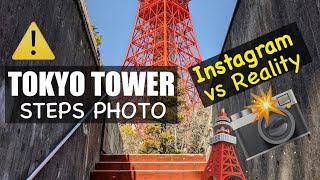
point(279, 128)
point(277, 125)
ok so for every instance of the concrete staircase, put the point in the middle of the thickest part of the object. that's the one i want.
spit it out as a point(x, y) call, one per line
point(149, 167)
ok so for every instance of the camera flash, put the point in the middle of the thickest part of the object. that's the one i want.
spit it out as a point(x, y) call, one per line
point(266, 105)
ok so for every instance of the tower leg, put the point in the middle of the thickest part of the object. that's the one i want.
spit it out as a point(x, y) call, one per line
point(223, 163)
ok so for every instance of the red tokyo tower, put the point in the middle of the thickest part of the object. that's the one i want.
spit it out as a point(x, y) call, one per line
point(163, 35)
point(223, 162)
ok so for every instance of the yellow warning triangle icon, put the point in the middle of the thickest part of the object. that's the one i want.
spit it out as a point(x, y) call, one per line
point(33, 46)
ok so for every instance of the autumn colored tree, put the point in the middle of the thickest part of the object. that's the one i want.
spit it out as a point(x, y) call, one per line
point(130, 138)
point(156, 141)
point(164, 137)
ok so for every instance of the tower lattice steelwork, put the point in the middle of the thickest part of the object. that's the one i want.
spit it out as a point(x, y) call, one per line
point(163, 35)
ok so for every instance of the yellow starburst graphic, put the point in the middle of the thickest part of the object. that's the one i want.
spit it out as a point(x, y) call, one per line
point(263, 105)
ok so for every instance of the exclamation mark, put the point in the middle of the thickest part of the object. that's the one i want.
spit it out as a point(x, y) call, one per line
point(33, 37)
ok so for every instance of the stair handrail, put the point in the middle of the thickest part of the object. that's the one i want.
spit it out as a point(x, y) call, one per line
point(64, 140)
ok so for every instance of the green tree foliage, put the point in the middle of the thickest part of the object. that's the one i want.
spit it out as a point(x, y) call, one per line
point(97, 36)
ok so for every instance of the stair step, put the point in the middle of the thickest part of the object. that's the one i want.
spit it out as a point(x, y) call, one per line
point(153, 158)
point(150, 166)
point(146, 175)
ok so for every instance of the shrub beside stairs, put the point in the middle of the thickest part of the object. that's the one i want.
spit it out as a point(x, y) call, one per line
point(150, 167)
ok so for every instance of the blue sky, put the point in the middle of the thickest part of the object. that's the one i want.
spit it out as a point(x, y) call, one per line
point(115, 20)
